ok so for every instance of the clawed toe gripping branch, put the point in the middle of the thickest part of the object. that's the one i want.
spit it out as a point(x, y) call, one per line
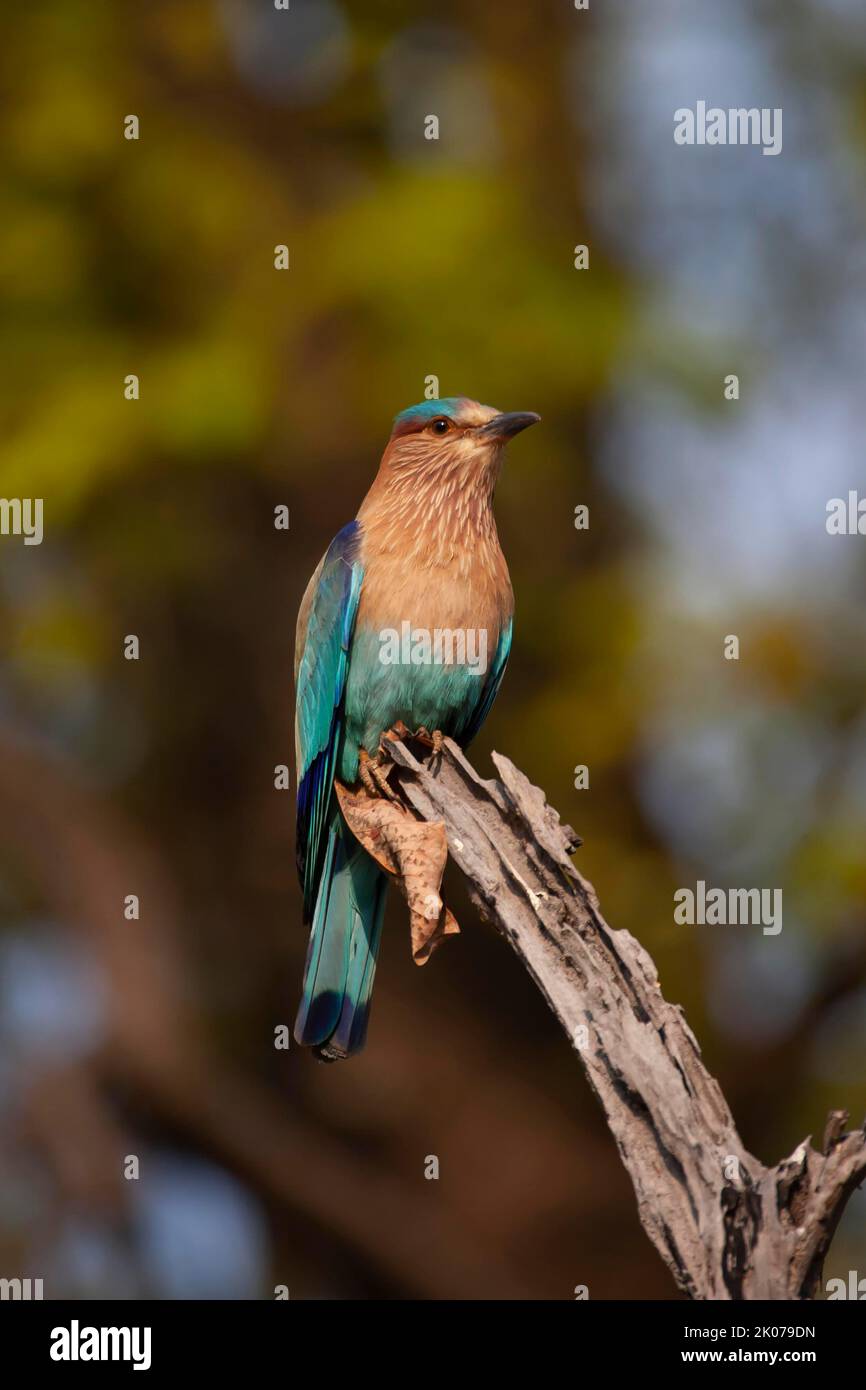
point(726, 1226)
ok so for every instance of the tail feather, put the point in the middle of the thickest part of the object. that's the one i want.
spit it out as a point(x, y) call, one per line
point(344, 941)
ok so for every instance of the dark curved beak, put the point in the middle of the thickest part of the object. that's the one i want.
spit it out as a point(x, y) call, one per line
point(505, 426)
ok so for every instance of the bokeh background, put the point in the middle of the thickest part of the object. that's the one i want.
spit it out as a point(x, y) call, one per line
point(409, 258)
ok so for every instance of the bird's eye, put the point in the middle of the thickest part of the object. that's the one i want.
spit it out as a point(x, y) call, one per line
point(440, 425)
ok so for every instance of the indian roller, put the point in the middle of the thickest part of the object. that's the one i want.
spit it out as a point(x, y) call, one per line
point(422, 556)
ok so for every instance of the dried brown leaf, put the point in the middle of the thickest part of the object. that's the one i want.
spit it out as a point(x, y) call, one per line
point(414, 852)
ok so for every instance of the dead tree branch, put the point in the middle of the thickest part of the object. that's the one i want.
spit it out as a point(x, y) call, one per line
point(726, 1226)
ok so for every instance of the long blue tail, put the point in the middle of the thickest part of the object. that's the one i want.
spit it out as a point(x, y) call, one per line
point(344, 942)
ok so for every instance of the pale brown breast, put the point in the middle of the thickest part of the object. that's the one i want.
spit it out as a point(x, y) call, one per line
point(434, 576)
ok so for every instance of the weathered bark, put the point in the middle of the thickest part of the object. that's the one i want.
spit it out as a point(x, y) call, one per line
point(727, 1227)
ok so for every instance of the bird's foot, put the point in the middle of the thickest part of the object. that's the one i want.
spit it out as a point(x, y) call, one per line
point(373, 778)
point(422, 735)
point(434, 740)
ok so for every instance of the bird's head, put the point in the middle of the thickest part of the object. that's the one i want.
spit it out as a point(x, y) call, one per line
point(453, 437)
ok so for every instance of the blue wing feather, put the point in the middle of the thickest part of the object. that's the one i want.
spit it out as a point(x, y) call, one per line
point(491, 685)
point(321, 689)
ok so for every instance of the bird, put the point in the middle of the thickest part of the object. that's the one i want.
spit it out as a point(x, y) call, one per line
point(422, 556)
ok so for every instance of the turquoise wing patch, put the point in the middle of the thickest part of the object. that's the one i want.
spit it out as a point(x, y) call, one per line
point(320, 693)
point(491, 685)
